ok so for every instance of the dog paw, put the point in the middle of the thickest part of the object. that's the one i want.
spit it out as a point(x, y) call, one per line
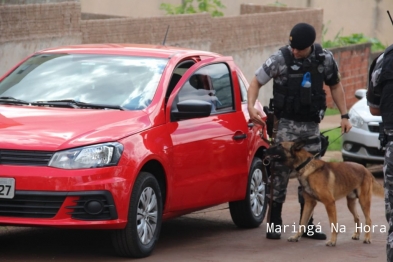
point(331, 244)
point(367, 241)
point(293, 239)
point(355, 236)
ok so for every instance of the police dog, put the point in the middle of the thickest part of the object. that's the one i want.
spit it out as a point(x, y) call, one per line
point(327, 182)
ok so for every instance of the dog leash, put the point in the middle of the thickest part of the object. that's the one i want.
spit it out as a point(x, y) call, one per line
point(331, 130)
point(325, 145)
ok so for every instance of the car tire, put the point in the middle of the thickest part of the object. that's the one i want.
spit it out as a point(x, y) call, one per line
point(142, 231)
point(250, 212)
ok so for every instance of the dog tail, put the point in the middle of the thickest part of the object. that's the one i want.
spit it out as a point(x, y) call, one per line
point(378, 189)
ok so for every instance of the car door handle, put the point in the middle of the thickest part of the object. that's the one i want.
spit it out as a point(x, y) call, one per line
point(239, 137)
point(250, 125)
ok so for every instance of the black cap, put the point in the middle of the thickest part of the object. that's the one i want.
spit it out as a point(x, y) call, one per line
point(302, 36)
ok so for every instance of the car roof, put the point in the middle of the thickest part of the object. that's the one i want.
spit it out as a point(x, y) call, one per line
point(128, 49)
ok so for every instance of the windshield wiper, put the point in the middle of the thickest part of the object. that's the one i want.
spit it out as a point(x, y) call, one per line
point(12, 100)
point(74, 104)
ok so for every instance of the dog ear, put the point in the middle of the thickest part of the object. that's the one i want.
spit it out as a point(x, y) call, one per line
point(298, 144)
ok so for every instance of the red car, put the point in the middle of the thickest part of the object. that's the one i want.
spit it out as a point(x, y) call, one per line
point(122, 137)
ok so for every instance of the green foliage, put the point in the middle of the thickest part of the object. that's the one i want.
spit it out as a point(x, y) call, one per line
point(187, 7)
point(334, 141)
point(340, 41)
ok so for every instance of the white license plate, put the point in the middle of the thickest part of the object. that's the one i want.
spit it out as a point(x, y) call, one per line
point(7, 187)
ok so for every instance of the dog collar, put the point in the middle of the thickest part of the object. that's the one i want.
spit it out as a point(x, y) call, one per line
point(303, 164)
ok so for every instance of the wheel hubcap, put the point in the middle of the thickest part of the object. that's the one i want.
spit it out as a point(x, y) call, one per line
point(258, 192)
point(147, 215)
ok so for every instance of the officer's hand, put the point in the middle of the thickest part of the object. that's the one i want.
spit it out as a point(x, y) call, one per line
point(345, 125)
point(256, 117)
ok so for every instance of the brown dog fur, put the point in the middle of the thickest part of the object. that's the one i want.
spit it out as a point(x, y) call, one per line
point(327, 182)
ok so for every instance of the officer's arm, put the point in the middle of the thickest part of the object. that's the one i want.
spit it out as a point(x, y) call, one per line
point(338, 96)
point(252, 96)
point(375, 94)
point(374, 111)
point(373, 101)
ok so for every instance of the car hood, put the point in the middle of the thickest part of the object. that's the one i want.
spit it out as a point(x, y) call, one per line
point(363, 110)
point(51, 129)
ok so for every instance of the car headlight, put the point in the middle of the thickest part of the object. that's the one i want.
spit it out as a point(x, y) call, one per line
point(355, 119)
point(94, 156)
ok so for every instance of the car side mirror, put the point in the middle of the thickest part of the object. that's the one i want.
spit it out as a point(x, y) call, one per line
point(191, 109)
point(360, 93)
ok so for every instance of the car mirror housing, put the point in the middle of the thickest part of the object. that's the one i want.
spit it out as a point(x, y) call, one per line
point(360, 93)
point(191, 109)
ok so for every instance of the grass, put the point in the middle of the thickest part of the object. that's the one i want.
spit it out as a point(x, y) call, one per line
point(334, 141)
point(331, 111)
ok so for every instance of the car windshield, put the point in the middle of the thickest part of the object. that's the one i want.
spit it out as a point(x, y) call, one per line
point(124, 81)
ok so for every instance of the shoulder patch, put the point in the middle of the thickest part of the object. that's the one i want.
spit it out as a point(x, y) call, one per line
point(269, 62)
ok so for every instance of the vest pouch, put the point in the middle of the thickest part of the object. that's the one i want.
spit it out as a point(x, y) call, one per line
point(289, 105)
point(305, 96)
point(324, 144)
point(305, 90)
point(279, 101)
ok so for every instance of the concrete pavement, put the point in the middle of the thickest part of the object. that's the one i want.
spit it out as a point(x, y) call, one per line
point(329, 122)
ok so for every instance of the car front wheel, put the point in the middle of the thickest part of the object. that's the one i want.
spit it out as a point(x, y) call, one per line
point(141, 233)
point(250, 212)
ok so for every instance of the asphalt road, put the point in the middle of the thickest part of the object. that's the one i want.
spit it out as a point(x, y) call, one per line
point(207, 235)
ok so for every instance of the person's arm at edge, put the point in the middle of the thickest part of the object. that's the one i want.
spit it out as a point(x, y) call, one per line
point(338, 96)
point(374, 111)
point(252, 96)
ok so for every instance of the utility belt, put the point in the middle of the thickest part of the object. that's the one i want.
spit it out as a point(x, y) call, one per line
point(300, 118)
point(389, 134)
point(385, 135)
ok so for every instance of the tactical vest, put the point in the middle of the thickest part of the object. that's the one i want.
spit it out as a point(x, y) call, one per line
point(386, 105)
point(288, 97)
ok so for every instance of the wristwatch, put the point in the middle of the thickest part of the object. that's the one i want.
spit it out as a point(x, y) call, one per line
point(345, 116)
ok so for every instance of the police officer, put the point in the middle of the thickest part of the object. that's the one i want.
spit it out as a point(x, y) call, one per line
point(380, 102)
point(299, 71)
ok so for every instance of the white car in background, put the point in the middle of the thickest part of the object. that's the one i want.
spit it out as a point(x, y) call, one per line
point(361, 143)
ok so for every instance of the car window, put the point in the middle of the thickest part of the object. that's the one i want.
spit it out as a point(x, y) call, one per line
point(126, 81)
point(178, 72)
point(211, 83)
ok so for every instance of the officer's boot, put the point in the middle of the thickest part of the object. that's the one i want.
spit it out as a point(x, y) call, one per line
point(310, 228)
point(275, 221)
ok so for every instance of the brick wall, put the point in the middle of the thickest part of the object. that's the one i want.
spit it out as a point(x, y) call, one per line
point(183, 30)
point(255, 9)
point(35, 21)
point(260, 29)
point(87, 16)
point(353, 63)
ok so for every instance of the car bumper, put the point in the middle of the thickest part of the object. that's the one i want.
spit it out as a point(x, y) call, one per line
point(362, 145)
point(86, 198)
